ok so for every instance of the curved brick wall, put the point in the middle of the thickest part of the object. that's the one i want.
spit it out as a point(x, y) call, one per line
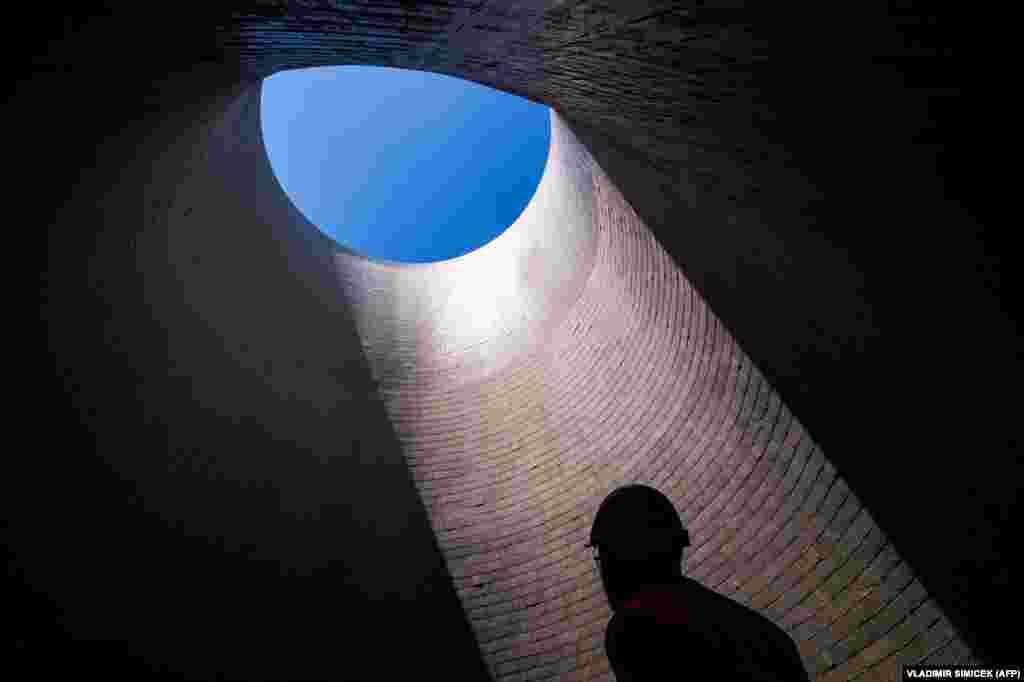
point(530, 378)
point(271, 401)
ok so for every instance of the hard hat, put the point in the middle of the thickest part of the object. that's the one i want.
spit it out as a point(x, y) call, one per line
point(636, 522)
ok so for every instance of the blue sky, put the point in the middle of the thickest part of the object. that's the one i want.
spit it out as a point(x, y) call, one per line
point(403, 165)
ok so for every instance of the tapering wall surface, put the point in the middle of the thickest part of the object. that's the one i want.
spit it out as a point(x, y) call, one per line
point(277, 459)
point(570, 356)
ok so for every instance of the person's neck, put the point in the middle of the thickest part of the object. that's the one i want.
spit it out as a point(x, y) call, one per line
point(655, 587)
point(660, 599)
point(661, 584)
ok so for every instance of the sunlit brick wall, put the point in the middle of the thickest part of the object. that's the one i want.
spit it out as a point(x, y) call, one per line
point(520, 404)
point(516, 385)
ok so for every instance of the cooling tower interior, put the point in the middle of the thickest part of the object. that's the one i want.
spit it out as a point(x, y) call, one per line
point(763, 272)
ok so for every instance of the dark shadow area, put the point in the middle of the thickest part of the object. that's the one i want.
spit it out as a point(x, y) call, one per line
point(845, 217)
point(200, 502)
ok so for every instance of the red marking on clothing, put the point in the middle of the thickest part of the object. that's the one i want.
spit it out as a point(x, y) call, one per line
point(662, 605)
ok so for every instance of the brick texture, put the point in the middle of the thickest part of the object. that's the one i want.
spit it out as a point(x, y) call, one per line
point(521, 403)
point(599, 341)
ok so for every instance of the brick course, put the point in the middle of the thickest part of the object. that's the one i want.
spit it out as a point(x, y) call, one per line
point(517, 414)
point(629, 378)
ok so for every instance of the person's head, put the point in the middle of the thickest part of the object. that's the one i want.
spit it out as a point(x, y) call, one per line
point(638, 540)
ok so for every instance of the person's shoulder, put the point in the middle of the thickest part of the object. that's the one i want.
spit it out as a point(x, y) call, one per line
point(740, 620)
point(748, 627)
point(716, 604)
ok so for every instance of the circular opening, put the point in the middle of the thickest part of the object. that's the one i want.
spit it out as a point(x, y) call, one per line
point(403, 165)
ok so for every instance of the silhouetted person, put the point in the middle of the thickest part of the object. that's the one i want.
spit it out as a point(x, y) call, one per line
point(666, 626)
